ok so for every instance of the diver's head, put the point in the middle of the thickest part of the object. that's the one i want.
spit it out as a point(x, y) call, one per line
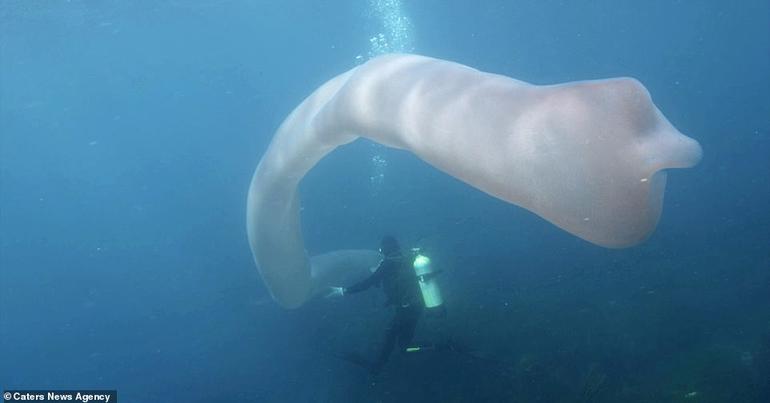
point(389, 246)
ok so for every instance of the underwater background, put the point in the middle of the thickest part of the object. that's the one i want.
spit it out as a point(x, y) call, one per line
point(129, 131)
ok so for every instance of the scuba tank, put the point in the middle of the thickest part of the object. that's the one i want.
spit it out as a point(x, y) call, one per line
point(426, 277)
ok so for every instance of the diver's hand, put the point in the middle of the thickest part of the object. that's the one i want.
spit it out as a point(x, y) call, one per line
point(335, 292)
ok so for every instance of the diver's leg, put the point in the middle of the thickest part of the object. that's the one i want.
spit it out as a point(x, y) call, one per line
point(406, 333)
point(409, 324)
point(389, 343)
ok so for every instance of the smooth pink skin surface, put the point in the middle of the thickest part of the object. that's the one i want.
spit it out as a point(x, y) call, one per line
point(586, 156)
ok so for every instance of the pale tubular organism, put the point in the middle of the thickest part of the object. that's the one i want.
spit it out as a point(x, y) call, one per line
point(587, 156)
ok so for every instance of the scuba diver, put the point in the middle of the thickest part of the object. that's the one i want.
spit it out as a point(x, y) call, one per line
point(407, 281)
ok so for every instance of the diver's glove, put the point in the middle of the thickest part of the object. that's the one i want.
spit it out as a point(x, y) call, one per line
point(335, 292)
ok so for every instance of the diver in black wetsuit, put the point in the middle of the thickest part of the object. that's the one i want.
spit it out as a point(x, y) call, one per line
point(397, 279)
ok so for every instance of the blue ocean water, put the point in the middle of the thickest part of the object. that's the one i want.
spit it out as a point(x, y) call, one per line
point(129, 132)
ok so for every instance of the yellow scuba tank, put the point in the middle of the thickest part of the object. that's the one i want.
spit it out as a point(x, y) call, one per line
point(426, 277)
